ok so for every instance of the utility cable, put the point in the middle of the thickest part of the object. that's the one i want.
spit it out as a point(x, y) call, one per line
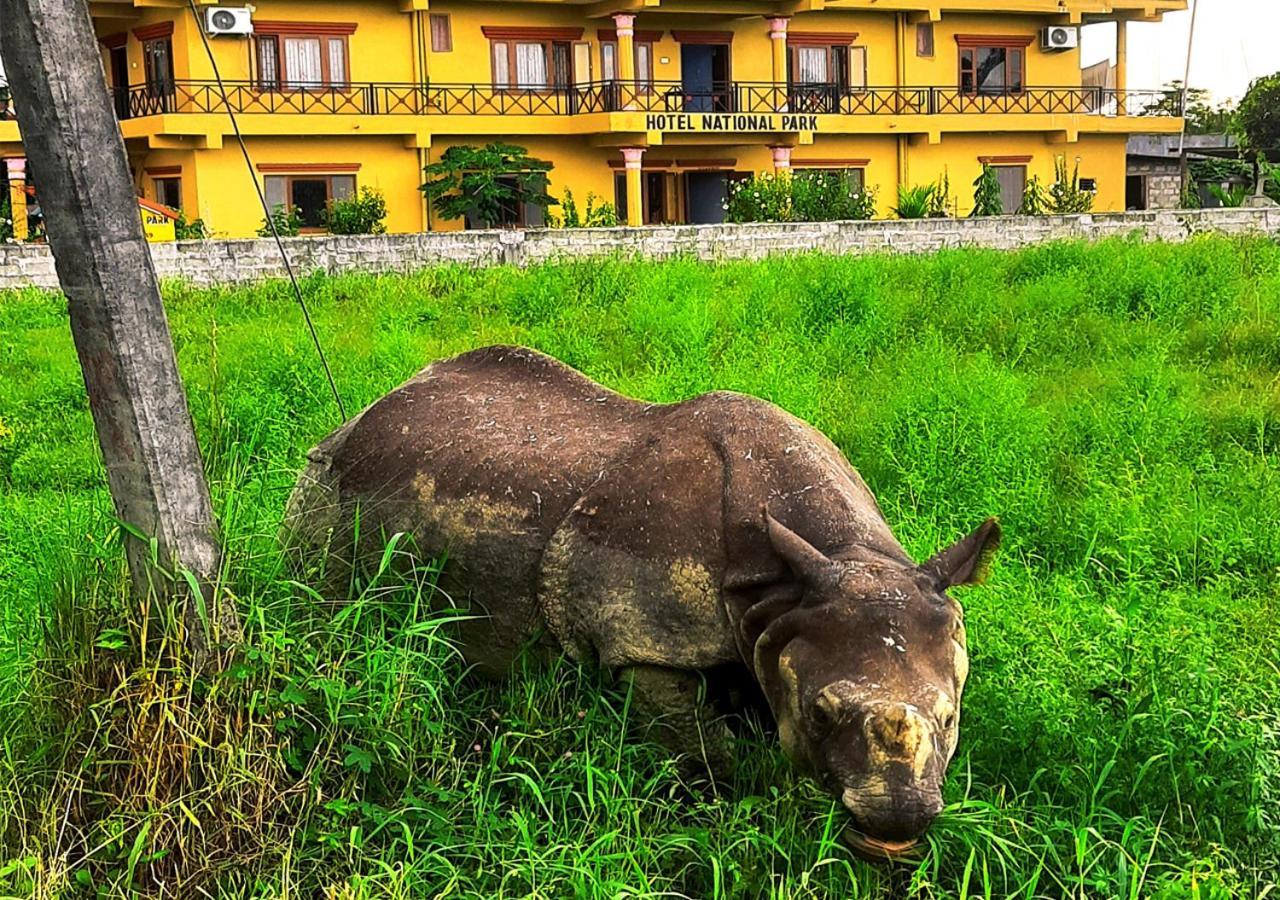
point(270, 219)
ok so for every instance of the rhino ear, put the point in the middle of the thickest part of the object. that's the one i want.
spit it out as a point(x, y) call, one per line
point(808, 562)
point(968, 560)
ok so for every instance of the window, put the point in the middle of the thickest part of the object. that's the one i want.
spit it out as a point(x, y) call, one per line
point(924, 39)
point(515, 215)
point(535, 65)
point(1013, 183)
point(854, 178)
point(441, 33)
point(168, 191)
point(644, 61)
point(993, 69)
point(301, 61)
point(157, 61)
point(308, 195)
point(841, 66)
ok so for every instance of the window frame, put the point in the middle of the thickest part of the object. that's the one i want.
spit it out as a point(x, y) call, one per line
point(646, 82)
point(834, 44)
point(159, 190)
point(510, 37)
point(926, 44)
point(327, 177)
point(277, 32)
point(446, 33)
point(549, 48)
point(968, 46)
point(851, 172)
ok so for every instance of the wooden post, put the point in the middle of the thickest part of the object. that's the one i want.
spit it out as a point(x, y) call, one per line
point(77, 157)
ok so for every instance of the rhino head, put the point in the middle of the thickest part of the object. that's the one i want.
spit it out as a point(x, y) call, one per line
point(864, 671)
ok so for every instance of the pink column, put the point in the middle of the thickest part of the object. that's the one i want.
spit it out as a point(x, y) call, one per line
point(781, 159)
point(632, 158)
point(778, 45)
point(16, 167)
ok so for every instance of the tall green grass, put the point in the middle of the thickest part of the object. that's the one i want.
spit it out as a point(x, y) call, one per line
point(1118, 405)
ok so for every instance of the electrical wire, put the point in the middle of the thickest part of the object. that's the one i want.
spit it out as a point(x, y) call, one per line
point(270, 219)
point(1186, 77)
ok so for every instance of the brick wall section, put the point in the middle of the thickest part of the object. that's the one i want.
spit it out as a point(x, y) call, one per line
point(228, 262)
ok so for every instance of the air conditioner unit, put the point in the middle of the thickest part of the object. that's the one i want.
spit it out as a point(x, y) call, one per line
point(228, 20)
point(1059, 37)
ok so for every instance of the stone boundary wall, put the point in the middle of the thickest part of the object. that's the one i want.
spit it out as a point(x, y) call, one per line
point(237, 261)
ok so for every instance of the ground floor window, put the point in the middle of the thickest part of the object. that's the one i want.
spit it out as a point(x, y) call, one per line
point(853, 177)
point(308, 195)
point(168, 191)
point(515, 214)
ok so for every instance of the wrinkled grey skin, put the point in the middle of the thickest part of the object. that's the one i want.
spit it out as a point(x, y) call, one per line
point(718, 542)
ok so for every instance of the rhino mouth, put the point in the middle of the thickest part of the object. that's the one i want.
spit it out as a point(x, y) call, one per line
point(875, 850)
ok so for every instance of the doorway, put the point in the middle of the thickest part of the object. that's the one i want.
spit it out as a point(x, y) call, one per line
point(706, 193)
point(1135, 192)
point(704, 77)
point(119, 63)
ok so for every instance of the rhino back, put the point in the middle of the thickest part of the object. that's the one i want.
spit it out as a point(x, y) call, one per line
point(477, 458)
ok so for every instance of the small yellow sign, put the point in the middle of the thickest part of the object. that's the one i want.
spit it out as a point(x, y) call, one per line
point(157, 221)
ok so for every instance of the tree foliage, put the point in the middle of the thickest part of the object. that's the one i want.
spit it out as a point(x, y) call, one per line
point(483, 184)
point(1257, 122)
point(1203, 116)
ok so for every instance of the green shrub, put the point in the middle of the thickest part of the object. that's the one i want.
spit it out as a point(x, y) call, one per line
point(1035, 202)
point(1065, 194)
point(940, 198)
point(1231, 197)
point(805, 196)
point(830, 195)
point(986, 193)
point(288, 222)
point(6, 219)
point(189, 230)
point(362, 214)
point(598, 213)
point(914, 202)
point(483, 185)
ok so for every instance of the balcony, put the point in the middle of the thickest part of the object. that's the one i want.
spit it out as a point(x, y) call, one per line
point(370, 99)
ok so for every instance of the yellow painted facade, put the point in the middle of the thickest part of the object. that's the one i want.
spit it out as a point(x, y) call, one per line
point(391, 84)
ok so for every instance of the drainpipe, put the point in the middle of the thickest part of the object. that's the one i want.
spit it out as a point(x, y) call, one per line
point(899, 33)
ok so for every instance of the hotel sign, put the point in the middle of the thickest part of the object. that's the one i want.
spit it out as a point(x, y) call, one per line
point(695, 122)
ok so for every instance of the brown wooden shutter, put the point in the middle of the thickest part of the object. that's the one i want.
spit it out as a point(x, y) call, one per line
point(441, 33)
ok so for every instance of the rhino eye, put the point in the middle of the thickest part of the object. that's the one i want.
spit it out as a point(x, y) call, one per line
point(949, 722)
point(823, 714)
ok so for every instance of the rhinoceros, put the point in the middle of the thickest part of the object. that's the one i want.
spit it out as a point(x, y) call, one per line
point(687, 547)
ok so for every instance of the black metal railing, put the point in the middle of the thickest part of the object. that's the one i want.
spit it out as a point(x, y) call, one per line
point(615, 96)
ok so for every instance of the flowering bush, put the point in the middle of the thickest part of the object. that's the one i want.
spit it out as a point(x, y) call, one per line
point(812, 196)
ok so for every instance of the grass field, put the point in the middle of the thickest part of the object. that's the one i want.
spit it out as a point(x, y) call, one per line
point(1118, 405)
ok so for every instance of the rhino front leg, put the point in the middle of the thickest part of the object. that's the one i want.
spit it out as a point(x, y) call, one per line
point(668, 706)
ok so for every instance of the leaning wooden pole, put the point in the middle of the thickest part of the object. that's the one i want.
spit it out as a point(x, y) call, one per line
point(77, 158)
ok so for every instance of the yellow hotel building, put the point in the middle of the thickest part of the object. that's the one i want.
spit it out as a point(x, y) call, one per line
point(656, 104)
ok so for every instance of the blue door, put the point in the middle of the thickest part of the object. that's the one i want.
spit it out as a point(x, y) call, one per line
point(706, 192)
point(697, 76)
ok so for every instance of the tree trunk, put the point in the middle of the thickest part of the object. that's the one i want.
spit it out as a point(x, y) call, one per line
point(77, 158)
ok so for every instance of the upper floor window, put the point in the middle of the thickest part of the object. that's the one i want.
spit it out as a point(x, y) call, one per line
point(644, 61)
point(441, 33)
point(829, 60)
point(531, 58)
point(924, 39)
point(302, 56)
point(157, 55)
point(992, 64)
